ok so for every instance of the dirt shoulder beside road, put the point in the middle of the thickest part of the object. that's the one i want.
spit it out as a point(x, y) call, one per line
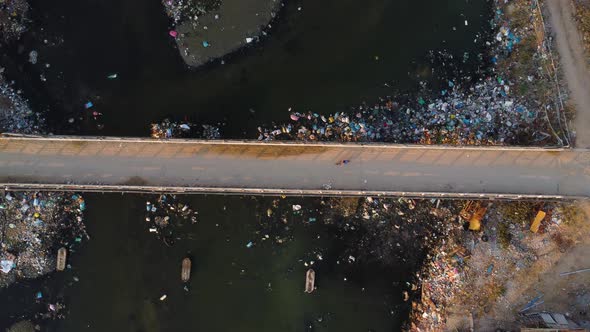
point(573, 64)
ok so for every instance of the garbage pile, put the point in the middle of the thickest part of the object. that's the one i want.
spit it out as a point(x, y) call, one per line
point(485, 114)
point(523, 55)
point(13, 18)
point(377, 232)
point(382, 230)
point(169, 129)
point(444, 278)
point(165, 214)
point(391, 231)
point(33, 227)
point(502, 107)
point(15, 114)
point(482, 272)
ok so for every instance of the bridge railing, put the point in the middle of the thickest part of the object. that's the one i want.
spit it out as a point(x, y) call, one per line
point(281, 143)
point(274, 192)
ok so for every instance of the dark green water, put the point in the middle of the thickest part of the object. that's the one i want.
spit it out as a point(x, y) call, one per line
point(123, 270)
point(321, 59)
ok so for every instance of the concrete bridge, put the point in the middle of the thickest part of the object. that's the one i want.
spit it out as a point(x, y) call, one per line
point(291, 168)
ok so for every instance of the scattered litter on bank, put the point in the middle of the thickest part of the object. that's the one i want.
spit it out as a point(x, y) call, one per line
point(42, 223)
point(15, 114)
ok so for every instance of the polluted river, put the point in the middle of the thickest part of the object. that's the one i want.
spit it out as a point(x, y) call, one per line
point(249, 255)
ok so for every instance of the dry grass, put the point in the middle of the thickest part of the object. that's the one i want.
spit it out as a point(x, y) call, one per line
point(347, 206)
point(518, 212)
point(582, 12)
point(573, 213)
point(549, 248)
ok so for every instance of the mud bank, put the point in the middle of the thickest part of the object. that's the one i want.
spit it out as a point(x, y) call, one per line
point(204, 35)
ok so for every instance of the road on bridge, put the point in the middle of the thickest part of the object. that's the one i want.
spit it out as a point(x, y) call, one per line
point(255, 167)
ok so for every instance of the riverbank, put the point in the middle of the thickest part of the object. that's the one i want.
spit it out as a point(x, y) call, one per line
point(33, 227)
point(16, 116)
point(510, 102)
point(513, 103)
point(484, 279)
point(15, 112)
point(573, 65)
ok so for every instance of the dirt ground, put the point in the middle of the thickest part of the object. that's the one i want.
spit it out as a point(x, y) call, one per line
point(573, 64)
point(521, 274)
point(582, 14)
point(482, 280)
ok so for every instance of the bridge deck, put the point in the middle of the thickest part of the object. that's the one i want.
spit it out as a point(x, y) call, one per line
point(254, 167)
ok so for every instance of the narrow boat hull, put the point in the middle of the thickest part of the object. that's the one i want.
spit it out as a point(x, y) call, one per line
point(185, 274)
point(62, 255)
point(310, 281)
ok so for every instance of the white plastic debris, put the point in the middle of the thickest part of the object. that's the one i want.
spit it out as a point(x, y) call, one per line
point(6, 265)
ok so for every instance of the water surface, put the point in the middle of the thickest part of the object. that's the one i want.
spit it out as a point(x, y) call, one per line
point(124, 270)
point(330, 55)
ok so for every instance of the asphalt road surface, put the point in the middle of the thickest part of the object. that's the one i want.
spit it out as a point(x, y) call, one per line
point(255, 167)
